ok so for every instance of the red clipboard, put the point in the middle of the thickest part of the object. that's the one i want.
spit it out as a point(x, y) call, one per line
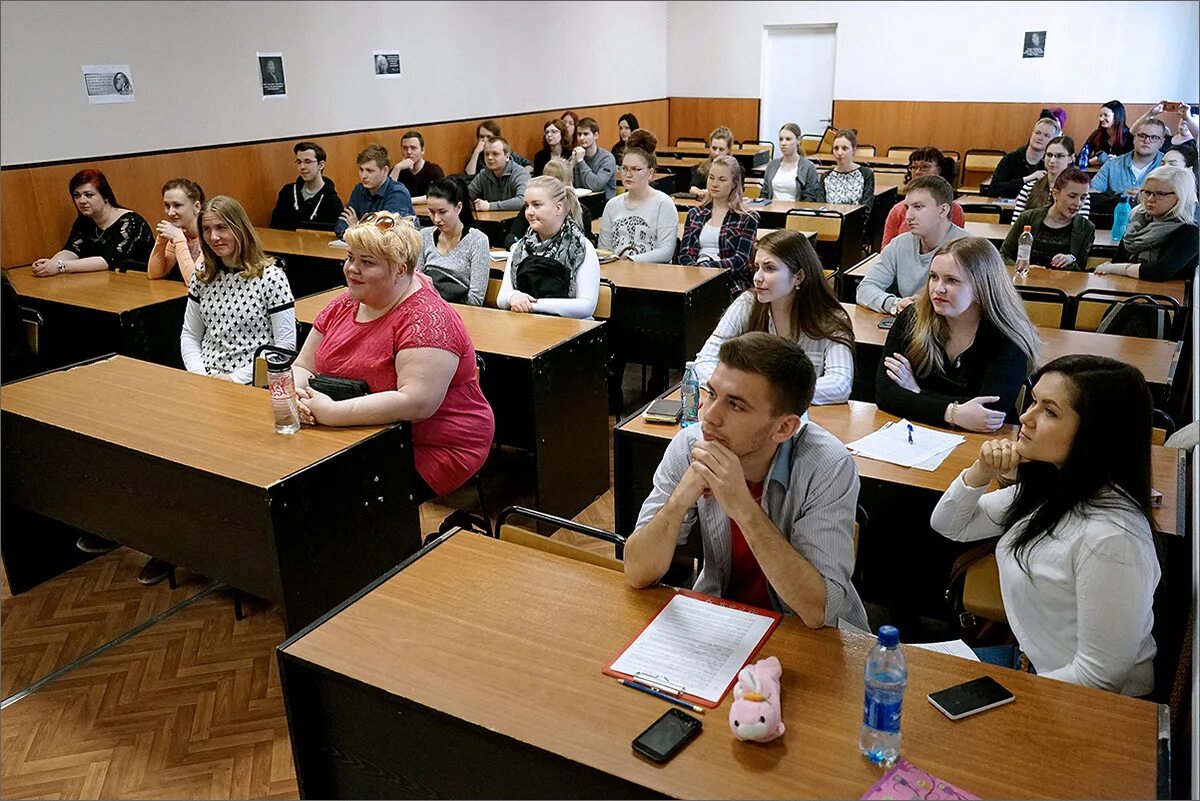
point(704, 702)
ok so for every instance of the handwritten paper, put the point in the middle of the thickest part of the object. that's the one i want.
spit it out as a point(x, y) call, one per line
point(927, 451)
point(694, 646)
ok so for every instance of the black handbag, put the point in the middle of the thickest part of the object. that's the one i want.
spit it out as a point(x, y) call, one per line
point(543, 277)
point(339, 388)
point(448, 286)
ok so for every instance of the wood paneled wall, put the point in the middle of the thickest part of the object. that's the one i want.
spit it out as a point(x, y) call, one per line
point(698, 116)
point(962, 126)
point(37, 211)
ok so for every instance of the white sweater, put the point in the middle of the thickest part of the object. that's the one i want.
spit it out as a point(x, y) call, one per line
point(1083, 614)
point(647, 233)
point(833, 361)
point(587, 289)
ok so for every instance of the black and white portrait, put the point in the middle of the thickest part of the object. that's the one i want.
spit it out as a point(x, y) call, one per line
point(270, 68)
point(108, 83)
point(387, 63)
point(1035, 44)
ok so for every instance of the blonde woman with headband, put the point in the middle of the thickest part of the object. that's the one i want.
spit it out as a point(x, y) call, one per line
point(958, 356)
point(391, 329)
point(552, 268)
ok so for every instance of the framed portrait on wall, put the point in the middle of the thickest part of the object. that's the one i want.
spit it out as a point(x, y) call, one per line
point(270, 73)
point(1035, 45)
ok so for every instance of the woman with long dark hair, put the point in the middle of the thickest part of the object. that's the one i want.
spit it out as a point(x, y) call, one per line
point(454, 253)
point(1111, 137)
point(791, 298)
point(1076, 553)
point(626, 124)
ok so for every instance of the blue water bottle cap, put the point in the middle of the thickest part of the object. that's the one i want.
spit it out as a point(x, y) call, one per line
point(889, 636)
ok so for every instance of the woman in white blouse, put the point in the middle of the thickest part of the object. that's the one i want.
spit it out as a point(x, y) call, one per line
point(791, 176)
point(1076, 553)
point(791, 298)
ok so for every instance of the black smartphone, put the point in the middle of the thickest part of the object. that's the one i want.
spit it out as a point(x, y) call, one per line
point(977, 695)
point(887, 322)
point(667, 736)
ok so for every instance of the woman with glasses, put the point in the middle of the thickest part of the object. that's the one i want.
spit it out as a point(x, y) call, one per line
point(640, 224)
point(1160, 243)
point(1111, 137)
point(1035, 194)
point(1062, 235)
point(922, 161)
point(791, 176)
point(391, 329)
point(554, 145)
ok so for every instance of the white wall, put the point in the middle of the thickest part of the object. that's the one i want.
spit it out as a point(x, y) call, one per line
point(1136, 51)
point(196, 75)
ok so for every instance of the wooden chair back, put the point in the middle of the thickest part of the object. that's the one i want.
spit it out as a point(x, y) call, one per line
point(826, 224)
point(493, 292)
point(1046, 306)
point(752, 190)
point(978, 166)
point(981, 590)
point(864, 150)
point(521, 536)
point(604, 301)
point(900, 152)
point(981, 216)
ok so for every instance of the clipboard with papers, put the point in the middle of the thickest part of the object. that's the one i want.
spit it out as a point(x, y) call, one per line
point(694, 647)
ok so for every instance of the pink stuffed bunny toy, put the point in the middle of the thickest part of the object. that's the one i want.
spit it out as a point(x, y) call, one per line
point(755, 713)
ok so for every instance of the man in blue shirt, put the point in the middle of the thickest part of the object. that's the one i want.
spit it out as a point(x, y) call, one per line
point(1126, 173)
point(376, 191)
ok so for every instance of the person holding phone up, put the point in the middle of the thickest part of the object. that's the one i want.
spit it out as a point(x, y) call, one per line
point(1076, 552)
point(958, 356)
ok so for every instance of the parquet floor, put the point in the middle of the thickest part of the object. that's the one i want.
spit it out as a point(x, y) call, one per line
point(191, 707)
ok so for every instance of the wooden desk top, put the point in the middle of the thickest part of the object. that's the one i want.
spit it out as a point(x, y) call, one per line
point(997, 231)
point(855, 419)
point(983, 200)
point(210, 425)
point(684, 150)
point(548, 624)
point(827, 159)
point(1073, 282)
point(313, 244)
point(780, 206)
point(1153, 357)
point(495, 331)
point(104, 290)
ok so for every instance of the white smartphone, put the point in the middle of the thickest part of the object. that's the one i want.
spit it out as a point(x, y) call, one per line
point(964, 700)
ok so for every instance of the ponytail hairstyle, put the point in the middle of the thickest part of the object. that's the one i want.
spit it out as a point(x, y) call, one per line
point(1108, 466)
point(850, 135)
point(559, 193)
point(999, 304)
point(453, 191)
point(737, 200)
point(643, 143)
point(816, 312)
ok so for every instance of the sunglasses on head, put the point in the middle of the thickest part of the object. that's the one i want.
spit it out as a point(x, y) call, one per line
point(382, 221)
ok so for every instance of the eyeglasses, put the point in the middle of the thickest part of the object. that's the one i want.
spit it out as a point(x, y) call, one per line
point(627, 169)
point(306, 162)
point(1058, 155)
point(1151, 194)
point(1148, 137)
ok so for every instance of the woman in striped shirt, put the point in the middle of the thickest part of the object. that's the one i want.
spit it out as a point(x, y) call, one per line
point(1035, 194)
point(791, 298)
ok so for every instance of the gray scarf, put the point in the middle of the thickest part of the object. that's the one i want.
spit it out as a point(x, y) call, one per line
point(566, 247)
point(1146, 233)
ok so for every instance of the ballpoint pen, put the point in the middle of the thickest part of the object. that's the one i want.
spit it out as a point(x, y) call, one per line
point(663, 696)
point(910, 430)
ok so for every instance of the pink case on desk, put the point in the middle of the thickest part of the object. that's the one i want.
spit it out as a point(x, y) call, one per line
point(906, 780)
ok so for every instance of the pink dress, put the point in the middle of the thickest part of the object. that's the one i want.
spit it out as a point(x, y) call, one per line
point(453, 444)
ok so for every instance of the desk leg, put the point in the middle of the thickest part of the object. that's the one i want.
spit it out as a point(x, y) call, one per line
point(354, 741)
point(151, 333)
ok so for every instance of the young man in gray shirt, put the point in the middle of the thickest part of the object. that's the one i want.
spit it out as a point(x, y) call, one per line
point(500, 187)
point(595, 167)
point(774, 496)
point(899, 275)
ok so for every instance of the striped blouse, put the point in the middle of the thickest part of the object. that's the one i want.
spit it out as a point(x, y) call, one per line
point(1023, 198)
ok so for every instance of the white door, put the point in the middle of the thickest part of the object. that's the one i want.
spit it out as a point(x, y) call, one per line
point(797, 78)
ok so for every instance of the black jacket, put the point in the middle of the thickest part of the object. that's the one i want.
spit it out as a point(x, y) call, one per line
point(292, 211)
point(1009, 176)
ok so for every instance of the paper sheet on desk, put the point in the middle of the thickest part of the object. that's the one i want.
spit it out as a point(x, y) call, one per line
point(890, 444)
point(953, 647)
point(695, 646)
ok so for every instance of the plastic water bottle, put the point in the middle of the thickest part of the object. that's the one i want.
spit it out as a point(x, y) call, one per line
point(1024, 249)
point(885, 679)
point(1120, 218)
point(282, 386)
point(1085, 155)
point(691, 395)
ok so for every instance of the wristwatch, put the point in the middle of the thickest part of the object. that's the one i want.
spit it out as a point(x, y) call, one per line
point(61, 265)
point(893, 309)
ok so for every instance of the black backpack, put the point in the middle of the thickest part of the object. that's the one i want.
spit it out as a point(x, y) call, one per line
point(1138, 316)
point(543, 277)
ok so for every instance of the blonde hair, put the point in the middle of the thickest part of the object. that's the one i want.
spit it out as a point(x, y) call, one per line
point(249, 259)
point(737, 200)
point(721, 133)
point(559, 193)
point(400, 244)
point(1183, 184)
point(1000, 305)
point(560, 168)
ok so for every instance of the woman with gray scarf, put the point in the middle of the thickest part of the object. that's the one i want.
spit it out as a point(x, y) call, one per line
point(1160, 243)
point(554, 233)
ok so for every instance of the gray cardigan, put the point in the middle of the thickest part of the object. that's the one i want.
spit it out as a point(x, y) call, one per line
point(470, 261)
point(598, 173)
point(506, 193)
point(807, 181)
point(900, 270)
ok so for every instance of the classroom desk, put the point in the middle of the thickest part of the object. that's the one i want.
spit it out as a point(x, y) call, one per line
point(190, 469)
point(875, 162)
point(313, 264)
point(544, 378)
point(474, 670)
point(996, 232)
point(89, 314)
point(749, 156)
point(1157, 359)
point(638, 447)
